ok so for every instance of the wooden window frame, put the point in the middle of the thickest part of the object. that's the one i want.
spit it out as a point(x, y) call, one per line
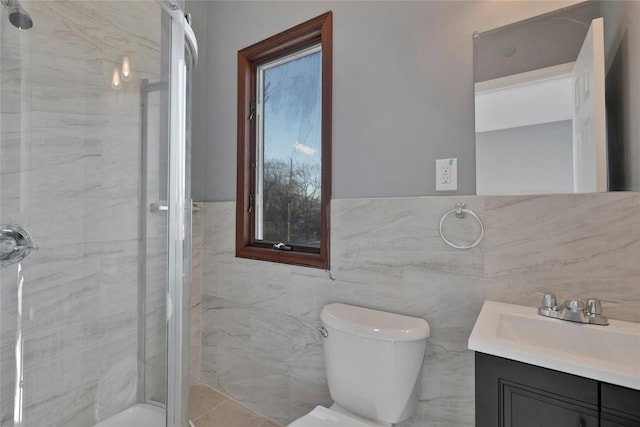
point(314, 31)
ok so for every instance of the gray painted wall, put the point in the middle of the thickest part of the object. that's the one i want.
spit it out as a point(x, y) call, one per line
point(403, 88)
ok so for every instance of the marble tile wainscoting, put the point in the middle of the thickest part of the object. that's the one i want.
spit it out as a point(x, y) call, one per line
point(259, 343)
point(195, 293)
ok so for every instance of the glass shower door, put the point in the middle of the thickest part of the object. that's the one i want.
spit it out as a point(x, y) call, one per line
point(70, 168)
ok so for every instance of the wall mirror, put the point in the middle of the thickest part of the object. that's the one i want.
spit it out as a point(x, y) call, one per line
point(557, 102)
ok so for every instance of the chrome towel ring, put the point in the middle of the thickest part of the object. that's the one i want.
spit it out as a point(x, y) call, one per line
point(461, 211)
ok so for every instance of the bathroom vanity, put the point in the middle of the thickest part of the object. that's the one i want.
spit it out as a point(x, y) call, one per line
point(515, 394)
point(536, 371)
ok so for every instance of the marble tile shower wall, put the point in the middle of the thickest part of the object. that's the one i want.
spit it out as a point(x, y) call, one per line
point(69, 173)
point(195, 309)
point(259, 319)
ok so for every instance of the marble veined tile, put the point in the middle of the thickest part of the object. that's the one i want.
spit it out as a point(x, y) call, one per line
point(447, 382)
point(270, 391)
point(155, 379)
point(576, 245)
point(76, 143)
point(118, 285)
point(77, 402)
point(225, 325)
point(219, 229)
point(73, 369)
point(229, 371)
point(196, 257)
point(113, 333)
point(575, 232)
point(86, 35)
point(58, 299)
point(57, 226)
point(74, 408)
point(116, 388)
point(445, 300)
point(388, 254)
point(195, 343)
point(312, 289)
point(401, 232)
point(287, 343)
point(249, 282)
point(306, 395)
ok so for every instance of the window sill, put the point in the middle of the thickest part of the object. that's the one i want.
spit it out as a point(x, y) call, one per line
point(284, 257)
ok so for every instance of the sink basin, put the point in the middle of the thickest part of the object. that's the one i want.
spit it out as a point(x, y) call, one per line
point(605, 353)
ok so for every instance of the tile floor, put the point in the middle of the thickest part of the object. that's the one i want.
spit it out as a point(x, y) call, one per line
point(210, 408)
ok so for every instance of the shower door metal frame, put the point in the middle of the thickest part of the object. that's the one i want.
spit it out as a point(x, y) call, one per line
point(145, 89)
point(178, 213)
point(177, 327)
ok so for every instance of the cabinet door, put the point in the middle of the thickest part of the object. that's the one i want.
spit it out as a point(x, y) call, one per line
point(528, 407)
point(609, 422)
point(620, 406)
point(514, 394)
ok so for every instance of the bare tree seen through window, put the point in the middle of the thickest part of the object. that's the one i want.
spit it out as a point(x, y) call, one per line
point(292, 155)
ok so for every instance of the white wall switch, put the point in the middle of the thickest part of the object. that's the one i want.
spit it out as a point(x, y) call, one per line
point(446, 174)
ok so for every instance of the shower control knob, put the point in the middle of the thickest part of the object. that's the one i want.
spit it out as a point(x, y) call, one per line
point(15, 244)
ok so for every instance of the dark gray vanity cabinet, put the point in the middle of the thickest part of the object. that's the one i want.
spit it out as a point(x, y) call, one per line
point(619, 406)
point(515, 394)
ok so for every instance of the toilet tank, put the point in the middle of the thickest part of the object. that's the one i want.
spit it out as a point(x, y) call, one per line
point(373, 360)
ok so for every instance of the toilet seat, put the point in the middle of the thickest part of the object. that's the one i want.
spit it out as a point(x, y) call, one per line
point(324, 417)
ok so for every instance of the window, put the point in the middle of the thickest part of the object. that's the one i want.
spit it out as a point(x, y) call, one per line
point(284, 146)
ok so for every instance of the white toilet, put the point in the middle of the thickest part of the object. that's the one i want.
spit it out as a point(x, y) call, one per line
point(373, 361)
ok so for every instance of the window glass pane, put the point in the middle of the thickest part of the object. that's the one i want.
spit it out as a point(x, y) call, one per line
point(291, 172)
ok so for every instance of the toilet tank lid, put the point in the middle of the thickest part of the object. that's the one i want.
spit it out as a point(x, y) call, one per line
point(375, 324)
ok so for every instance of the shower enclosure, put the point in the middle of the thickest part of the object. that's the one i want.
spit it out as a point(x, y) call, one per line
point(95, 213)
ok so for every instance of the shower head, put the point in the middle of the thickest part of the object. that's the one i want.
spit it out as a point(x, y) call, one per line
point(18, 17)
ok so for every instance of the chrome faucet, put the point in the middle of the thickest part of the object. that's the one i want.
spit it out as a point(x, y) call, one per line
point(573, 310)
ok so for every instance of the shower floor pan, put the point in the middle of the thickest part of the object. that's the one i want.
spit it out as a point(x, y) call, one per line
point(140, 415)
point(136, 416)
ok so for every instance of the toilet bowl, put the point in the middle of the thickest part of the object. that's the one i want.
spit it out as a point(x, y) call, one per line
point(335, 416)
point(373, 361)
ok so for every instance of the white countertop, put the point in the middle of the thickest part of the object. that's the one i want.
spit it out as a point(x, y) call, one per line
point(605, 353)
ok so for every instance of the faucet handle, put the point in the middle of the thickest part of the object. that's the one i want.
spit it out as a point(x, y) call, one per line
point(549, 306)
point(574, 305)
point(594, 306)
point(549, 301)
point(594, 312)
